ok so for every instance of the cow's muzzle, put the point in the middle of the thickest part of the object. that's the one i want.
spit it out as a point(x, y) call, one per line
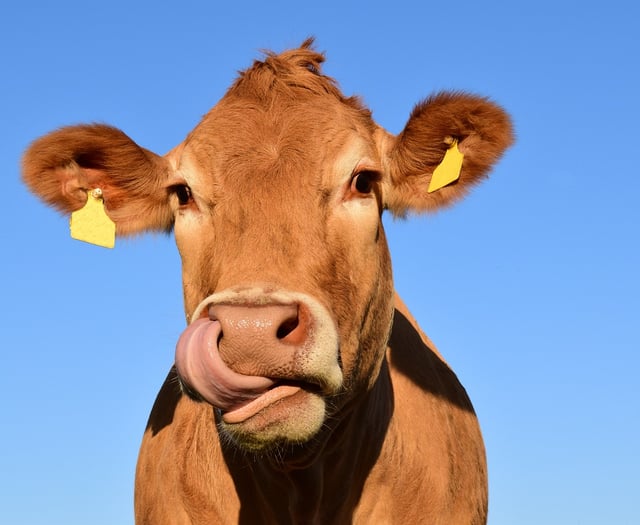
point(247, 350)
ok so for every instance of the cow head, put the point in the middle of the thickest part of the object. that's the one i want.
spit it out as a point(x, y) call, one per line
point(275, 200)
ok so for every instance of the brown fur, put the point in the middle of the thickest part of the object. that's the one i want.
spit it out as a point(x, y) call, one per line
point(483, 132)
point(270, 169)
point(63, 165)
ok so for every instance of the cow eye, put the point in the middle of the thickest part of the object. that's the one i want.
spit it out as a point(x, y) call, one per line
point(183, 192)
point(363, 182)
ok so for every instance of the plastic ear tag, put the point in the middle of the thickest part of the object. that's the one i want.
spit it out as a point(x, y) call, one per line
point(92, 224)
point(448, 170)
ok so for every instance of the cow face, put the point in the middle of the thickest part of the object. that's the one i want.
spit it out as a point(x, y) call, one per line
point(275, 199)
point(277, 217)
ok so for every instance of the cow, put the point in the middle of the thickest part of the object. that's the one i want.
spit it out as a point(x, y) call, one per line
point(303, 391)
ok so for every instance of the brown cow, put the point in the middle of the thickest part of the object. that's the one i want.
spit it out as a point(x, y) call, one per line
point(303, 390)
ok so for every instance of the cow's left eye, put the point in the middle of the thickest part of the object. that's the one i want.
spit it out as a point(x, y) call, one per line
point(363, 182)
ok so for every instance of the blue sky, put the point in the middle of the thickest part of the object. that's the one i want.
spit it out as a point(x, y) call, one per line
point(529, 287)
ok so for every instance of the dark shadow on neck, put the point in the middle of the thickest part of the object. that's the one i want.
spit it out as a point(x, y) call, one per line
point(411, 356)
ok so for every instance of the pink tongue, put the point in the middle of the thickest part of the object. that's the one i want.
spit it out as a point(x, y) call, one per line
point(201, 367)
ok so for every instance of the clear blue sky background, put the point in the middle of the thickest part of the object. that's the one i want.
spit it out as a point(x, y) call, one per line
point(530, 287)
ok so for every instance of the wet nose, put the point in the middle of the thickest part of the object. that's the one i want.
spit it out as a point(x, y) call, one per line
point(266, 334)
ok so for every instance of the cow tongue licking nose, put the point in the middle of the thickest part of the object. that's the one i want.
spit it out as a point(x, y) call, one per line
point(232, 357)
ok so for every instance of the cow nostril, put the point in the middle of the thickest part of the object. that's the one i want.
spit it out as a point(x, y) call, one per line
point(286, 327)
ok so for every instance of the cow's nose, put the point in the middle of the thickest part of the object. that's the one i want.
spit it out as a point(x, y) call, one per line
point(259, 338)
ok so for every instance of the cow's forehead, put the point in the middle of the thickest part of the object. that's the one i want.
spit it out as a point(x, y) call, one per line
point(280, 111)
point(279, 169)
point(310, 129)
point(313, 141)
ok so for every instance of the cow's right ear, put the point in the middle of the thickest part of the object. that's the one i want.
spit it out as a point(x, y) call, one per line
point(63, 166)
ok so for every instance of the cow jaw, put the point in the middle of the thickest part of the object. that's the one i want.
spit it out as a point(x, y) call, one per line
point(268, 361)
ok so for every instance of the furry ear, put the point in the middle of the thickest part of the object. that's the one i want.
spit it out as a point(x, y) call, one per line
point(63, 166)
point(482, 130)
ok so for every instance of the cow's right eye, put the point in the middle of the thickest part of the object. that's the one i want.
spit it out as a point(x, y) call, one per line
point(183, 192)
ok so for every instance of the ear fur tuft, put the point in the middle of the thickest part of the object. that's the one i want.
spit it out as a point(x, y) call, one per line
point(483, 131)
point(64, 165)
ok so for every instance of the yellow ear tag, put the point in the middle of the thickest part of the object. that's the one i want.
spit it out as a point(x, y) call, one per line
point(448, 170)
point(92, 224)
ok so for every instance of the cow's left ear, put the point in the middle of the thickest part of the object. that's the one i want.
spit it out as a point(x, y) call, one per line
point(478, 128)
point(63, 166)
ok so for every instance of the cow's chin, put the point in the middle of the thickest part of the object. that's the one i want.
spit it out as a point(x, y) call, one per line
point(287, 415)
